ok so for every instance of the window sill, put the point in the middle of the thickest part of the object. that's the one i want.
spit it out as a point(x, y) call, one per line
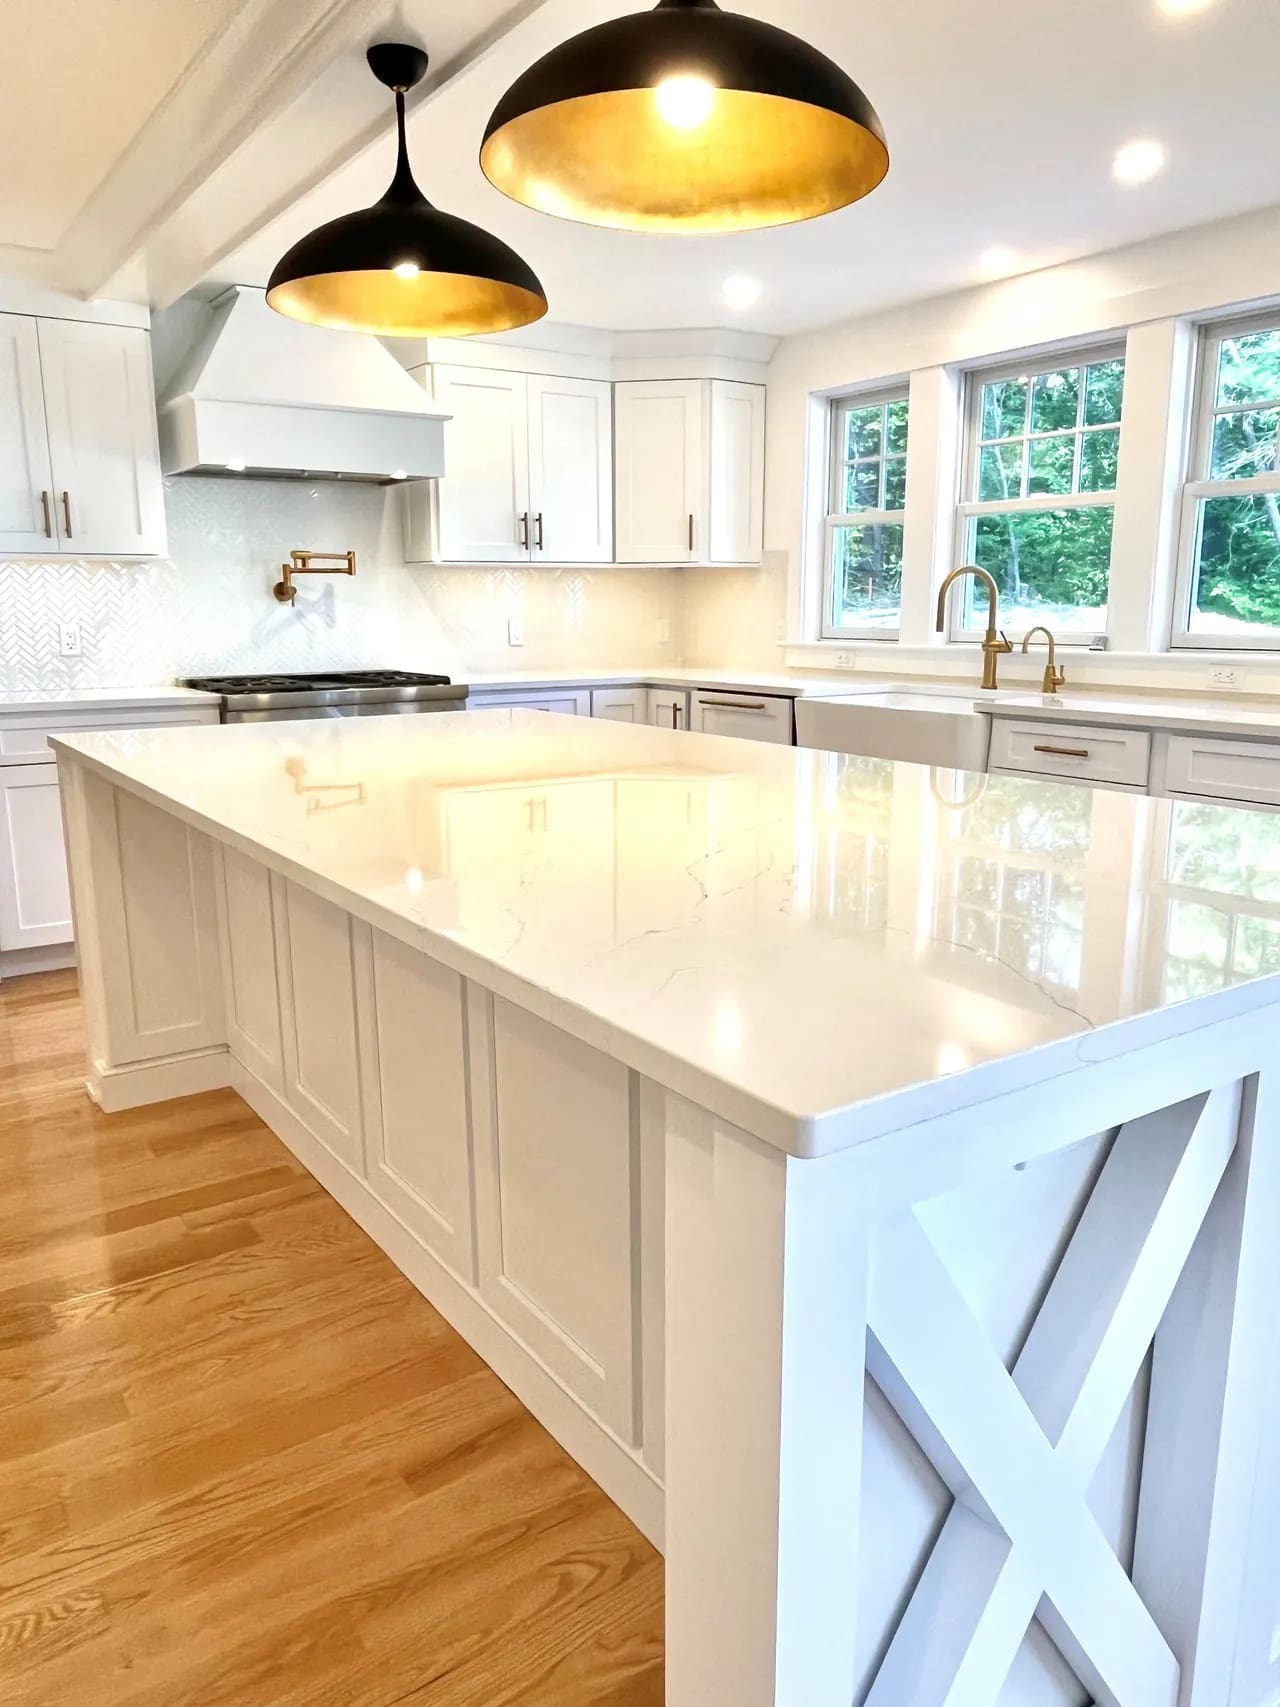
point(1184, 668)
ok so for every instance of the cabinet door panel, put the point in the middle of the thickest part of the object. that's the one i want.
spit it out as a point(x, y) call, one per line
point(321, 1057)
point(622, 705)
point(658, 426)
point(737, 472)
point(102, 438)
point(669, 708)
point(24, 442)
point(571, 469)
point(483, 495)
point(35, 900)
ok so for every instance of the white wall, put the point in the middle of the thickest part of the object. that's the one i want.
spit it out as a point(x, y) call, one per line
point(207, 607)
point(1158, 285)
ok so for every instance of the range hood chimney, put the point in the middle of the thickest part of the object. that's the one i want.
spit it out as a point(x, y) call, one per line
point(258, 394)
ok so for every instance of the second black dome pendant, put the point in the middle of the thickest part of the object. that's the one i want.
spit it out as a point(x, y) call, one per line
point(685, 118)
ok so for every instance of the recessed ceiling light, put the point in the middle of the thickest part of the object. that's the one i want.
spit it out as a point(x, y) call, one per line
point(740, 291)
point(998, 261)
point(1138, 161)
point(1183, 8)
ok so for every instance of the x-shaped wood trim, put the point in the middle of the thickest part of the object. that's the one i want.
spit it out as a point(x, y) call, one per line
point(1019, 1450)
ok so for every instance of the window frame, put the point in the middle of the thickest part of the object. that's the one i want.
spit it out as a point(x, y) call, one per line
point(1197, 486)
point(836, 517)
point(1030, 364)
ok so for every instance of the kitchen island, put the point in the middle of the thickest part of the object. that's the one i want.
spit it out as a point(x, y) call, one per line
point(869, 1174)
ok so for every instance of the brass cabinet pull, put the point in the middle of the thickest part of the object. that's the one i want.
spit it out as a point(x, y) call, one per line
point(48, 519)
point(1064, 752)
point(690, 530)
point(524, 529)
point(675, 714)
point(66, 510)
point(740, 704)
point(537, 522)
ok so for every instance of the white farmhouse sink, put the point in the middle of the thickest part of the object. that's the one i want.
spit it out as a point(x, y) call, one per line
point(941, 728)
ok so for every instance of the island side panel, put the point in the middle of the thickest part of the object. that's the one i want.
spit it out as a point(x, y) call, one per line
point(498, 1161)
point(143, 885)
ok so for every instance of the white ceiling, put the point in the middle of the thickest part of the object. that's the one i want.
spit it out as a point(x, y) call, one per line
point(1002, 120)
point(77, 83)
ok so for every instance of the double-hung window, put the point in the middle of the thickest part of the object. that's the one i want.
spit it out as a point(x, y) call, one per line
point(1229, 547)
point(862, 580)
point(1038, 493)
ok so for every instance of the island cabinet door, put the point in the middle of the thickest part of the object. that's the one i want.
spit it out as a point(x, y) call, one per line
point(419, 1148)
point(557, 1150)
point(319, 963)
point(247, 925)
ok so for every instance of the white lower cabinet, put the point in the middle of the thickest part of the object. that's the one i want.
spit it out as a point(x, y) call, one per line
point(752, 717)
point(569, 702)
point(623, 705)
point(1086, 752)
point(35, 897)
point(1222, 769)
point(669, 708)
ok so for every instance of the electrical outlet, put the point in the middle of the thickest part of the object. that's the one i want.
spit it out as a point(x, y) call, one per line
point(69, 639)
point(515, 631)
point(844, 660)
point(1225, 676)
point(662, 630)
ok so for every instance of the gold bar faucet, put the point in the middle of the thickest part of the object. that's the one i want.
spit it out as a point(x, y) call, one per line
point(994, 642)
point(300, 563)
point(1053, 676)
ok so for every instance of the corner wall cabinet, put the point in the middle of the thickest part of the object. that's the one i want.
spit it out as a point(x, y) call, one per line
point(528, 471)
point(690, 471)
point(79, 459)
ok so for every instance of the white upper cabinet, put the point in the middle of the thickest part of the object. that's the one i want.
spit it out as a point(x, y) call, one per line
point(661, 470)
point(483, 499)
point(528, 472)
point(690, 471)
point(571, 469)
point(100, 407)
point(736, 521)
point(79, 461)
point(26, 484)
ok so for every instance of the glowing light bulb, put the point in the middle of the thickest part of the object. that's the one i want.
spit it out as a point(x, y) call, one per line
point(406, 269)
point(685, 102)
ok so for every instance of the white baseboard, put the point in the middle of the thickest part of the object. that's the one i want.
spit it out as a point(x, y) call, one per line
point(117, 1088)
point(621, 1475)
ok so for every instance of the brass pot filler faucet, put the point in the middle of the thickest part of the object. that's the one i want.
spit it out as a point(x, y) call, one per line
point(303, 563)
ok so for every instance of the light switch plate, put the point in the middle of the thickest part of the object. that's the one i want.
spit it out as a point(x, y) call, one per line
point(515, 631)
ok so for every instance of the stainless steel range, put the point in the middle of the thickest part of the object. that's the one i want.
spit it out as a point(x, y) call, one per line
point(330, 693)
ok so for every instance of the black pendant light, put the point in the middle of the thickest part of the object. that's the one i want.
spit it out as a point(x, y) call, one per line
point(685, 118)
point(401, 268)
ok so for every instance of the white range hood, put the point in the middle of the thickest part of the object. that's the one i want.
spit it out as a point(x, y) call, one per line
point(259, 394)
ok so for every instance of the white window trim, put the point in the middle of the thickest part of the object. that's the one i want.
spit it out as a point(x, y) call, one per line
point(1031, 363)
point(835, 518)
point(1199, 455)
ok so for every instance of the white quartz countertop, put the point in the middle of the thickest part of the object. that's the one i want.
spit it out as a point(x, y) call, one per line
point(790, 685)
point(1166, 711)
point(820, 947)
point(59, 699)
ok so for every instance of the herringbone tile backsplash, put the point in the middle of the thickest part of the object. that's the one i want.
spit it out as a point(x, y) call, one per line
point(207, 607)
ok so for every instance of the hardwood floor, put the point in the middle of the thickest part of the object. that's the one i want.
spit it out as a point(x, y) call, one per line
point(242, 1462)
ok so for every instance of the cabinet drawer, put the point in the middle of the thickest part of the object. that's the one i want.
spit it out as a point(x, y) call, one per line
point(752, 716)
point(569, 702)
point(1089, 751)
point(1227, 770)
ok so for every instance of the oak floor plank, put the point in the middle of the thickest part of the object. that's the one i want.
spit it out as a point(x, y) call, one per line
point(242, 1462)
